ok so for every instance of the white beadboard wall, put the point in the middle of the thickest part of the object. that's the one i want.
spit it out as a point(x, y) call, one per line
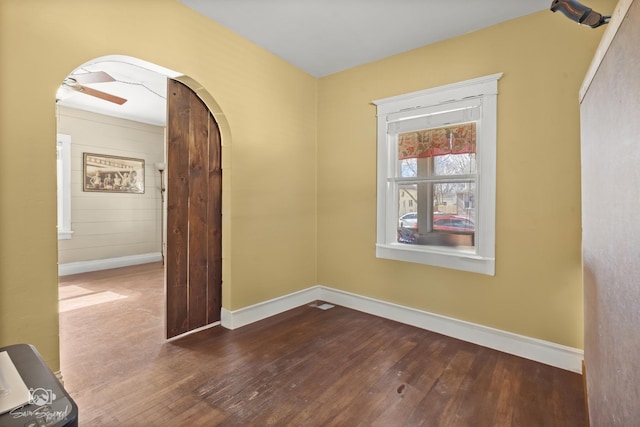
point(111, 225)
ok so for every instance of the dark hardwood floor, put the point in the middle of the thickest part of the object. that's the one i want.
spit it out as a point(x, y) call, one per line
point(305, 367)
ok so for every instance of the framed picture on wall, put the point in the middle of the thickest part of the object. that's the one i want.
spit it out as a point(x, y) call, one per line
point(113, 174)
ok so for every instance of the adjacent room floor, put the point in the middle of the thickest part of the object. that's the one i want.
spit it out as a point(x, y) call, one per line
point(305, 367)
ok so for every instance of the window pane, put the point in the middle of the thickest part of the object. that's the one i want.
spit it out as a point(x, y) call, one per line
point(408, 168)
point(407, 213)
point(455, 164)
point(437, 214)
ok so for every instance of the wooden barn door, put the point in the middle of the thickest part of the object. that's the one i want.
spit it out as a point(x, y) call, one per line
point(194, 213)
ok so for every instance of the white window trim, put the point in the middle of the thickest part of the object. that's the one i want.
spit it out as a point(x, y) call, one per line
point(63, 150)
point(483, 261)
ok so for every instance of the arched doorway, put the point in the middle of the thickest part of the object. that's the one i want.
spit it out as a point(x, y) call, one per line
point(102, 96)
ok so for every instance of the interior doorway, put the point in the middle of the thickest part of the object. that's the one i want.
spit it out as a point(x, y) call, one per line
point(100, 238)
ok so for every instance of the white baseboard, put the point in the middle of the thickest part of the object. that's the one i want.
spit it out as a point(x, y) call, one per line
point(105, 264)
point(546, 352)
point(244, 316)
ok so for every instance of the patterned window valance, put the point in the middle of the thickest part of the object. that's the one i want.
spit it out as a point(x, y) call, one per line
point(456, 139)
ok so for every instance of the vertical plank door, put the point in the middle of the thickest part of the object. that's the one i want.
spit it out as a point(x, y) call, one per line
point(194, 213)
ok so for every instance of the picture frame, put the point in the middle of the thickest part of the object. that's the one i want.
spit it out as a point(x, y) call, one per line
point(112, 174)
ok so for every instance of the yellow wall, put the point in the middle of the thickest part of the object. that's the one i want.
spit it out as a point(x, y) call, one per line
point(270, 170)
point(304, 149)
point(537, 289)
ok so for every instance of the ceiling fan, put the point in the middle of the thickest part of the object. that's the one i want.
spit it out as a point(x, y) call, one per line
point(77, 82)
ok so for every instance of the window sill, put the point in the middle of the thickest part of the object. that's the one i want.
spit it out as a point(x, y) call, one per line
point(65, 235)
point(453, 259)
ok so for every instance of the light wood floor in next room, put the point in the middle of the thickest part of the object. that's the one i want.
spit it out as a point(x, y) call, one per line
point(305, 367)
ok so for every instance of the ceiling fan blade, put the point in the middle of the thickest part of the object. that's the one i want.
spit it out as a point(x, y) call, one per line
point(92, 77)
point(99, 94)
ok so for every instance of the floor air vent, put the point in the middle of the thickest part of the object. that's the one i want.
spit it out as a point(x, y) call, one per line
point(322, 305)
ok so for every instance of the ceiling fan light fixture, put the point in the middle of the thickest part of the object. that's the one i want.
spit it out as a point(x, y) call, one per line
point(92, 77)
point(72, 83)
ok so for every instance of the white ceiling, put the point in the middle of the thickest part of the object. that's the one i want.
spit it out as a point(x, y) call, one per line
point(320, 37)
point(326, 36)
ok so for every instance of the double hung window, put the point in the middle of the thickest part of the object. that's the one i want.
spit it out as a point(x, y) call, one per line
point(63, 163)
point(436, 176)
